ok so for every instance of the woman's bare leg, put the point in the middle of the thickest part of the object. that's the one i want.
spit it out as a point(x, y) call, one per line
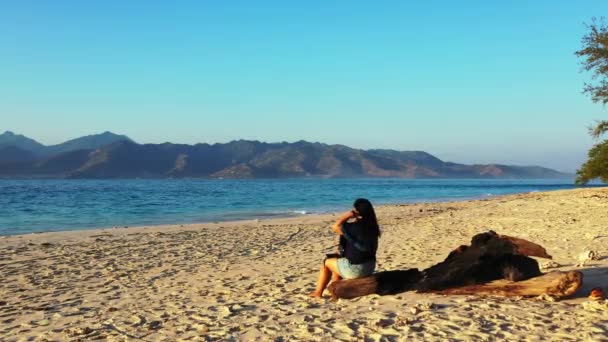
point(328, 269)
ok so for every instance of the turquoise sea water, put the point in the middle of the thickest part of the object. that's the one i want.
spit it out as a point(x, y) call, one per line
point(28, 206)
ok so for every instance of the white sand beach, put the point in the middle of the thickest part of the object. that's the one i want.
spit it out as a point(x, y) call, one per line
point(249, 280)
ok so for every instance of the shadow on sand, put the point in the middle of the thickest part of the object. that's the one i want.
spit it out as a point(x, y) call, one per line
point(592, 277)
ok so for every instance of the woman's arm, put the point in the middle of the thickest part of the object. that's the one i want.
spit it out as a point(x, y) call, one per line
point(337, 227)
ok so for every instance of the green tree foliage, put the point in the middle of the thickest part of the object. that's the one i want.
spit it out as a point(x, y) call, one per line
point(596, 166)
point(595, 60)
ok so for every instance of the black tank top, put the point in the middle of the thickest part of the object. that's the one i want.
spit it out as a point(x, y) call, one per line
point(358, 242)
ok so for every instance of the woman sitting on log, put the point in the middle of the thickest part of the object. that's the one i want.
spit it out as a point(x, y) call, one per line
point(359, 242)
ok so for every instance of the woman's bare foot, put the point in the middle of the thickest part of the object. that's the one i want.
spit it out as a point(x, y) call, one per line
point(315, 295)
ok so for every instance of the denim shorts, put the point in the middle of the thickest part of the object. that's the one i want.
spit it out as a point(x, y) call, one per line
point(350, 271)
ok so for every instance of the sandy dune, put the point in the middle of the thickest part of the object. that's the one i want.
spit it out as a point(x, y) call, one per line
point(248, 280)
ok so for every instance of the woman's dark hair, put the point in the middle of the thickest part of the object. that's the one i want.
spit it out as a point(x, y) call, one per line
point(368, 215)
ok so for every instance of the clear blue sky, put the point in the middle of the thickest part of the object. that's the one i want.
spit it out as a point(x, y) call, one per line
point(468, 81)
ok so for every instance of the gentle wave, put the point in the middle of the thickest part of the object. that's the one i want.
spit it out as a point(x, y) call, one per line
point(49, 205)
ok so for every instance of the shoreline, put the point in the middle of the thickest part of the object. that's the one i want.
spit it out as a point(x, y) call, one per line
point(246, 280)
point(294, 214)
point(309, 218)
point(274, 220)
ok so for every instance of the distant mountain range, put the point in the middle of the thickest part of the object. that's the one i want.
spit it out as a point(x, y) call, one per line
point(11, 141)
point(109, 155)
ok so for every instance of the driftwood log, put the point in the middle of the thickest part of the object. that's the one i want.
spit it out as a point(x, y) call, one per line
point(555, 284)
point(490, 257)
point(527, 248)
point(382, 283)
